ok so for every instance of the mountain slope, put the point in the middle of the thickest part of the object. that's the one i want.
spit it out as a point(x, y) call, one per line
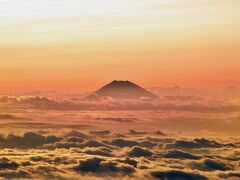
point(123, 90)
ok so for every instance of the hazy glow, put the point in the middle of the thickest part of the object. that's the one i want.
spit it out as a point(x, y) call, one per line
point(81, 44)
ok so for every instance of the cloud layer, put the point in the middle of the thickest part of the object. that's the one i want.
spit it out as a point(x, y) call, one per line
point(170, 138)
point(100, 155)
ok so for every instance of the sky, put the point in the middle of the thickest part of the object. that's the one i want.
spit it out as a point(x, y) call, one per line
point(84, 44)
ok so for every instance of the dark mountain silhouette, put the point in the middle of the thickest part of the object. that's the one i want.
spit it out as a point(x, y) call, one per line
point(123, 90)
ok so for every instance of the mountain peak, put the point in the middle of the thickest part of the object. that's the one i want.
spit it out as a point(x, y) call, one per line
point(123, 90)
point(120, 83)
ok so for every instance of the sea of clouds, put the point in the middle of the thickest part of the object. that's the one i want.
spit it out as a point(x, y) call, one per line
point(173, 137)
point(103, 154)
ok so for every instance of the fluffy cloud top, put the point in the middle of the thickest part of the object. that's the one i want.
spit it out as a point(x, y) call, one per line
point(96, 155)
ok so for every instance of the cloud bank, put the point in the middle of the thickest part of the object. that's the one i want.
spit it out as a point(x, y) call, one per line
point(93, 155)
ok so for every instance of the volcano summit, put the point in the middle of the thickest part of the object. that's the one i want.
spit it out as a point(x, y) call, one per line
point(122, 90)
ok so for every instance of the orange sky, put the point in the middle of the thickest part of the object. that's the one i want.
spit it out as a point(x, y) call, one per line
point(83, 44)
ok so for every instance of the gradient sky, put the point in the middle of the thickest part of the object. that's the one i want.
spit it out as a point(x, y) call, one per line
point(83, 44)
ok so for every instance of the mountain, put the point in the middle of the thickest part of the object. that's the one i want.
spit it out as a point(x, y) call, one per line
point(122, 90)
